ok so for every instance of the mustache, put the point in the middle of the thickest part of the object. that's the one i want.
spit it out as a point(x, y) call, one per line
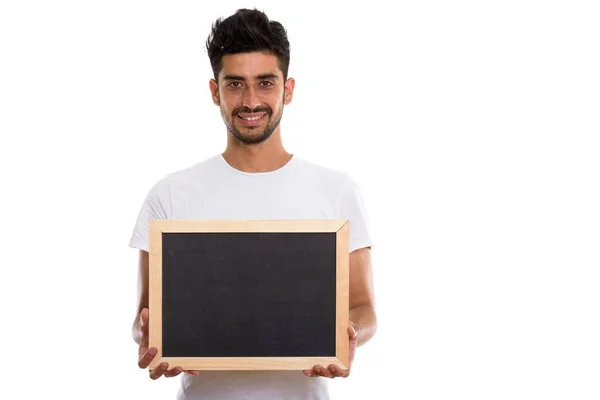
point(244, 109)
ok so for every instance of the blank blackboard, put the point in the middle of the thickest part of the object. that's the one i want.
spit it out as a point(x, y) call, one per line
point(247, 294)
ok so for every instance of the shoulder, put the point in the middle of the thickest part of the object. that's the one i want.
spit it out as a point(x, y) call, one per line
point(329, 176)
point(186, 176)
point(335, 182)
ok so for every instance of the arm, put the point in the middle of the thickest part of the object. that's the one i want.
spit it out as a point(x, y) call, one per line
point(142, 295)
point(362, 296)
point(363, 321)
point(139, 328)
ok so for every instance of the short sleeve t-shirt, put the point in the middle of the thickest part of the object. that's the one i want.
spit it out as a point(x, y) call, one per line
point(213, 189)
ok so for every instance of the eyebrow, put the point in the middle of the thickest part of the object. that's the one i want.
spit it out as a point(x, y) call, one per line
point(241, 78)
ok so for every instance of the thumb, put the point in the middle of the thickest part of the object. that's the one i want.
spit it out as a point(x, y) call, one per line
point(352, 330)
point(144, 320)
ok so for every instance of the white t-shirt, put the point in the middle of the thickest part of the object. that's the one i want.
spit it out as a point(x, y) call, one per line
point(213, 189)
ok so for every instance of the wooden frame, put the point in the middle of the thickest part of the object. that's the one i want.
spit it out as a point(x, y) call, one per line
point(340, 227)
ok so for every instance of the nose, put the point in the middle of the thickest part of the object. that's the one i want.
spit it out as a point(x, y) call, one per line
point(250, 99)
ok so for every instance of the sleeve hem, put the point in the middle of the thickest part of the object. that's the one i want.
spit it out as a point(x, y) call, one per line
point(361, 242)
point(137, 244)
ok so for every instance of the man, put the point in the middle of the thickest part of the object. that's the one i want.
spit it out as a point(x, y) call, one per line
point(256, 178)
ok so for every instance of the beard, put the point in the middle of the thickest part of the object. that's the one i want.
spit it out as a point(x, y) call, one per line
point(252, 135)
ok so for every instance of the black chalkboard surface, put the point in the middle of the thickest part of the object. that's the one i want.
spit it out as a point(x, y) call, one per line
point(248, 294)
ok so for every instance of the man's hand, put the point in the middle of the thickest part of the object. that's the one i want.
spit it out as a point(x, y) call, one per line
point(146, 355)
point(333, 371)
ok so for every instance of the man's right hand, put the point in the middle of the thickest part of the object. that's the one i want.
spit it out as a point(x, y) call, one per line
point(146, 355)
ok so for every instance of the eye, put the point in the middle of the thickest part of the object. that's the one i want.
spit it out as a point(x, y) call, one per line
point(235, 84)
point(266, 83)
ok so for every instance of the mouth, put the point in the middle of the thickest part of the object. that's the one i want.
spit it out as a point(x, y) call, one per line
point(251, 119)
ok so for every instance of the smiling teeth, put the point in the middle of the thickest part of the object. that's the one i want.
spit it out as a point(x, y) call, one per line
point(251, 118)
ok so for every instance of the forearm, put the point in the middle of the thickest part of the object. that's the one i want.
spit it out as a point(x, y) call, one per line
point(366, 319)
point(136, 329)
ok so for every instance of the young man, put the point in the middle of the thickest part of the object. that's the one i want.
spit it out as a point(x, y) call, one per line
point(256, 178)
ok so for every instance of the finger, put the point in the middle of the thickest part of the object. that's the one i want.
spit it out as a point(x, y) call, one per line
point(311, 372)
point(322, 371)
point(352, 332)
point(192, 372)
point(144, 321)
point(145, 360)
point(159, 371)
point(338, 372)
point(173, 372)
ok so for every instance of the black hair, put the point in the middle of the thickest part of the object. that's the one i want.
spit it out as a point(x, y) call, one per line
point(247, 31)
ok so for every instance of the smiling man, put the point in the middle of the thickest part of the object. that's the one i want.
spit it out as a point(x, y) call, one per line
point(256, 178)
point(254, 95)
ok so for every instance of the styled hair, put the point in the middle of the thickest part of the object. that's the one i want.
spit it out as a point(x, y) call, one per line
point(247, 31)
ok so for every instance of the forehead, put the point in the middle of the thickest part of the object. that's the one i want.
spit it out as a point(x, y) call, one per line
point(250, 65)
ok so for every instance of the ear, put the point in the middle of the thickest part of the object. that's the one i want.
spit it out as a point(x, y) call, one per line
point(289, 91)
point(214, 90)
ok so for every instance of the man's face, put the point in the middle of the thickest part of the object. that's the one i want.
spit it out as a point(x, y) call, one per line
point(251, 93)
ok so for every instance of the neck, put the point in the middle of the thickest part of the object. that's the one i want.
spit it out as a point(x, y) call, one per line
point(262, 157)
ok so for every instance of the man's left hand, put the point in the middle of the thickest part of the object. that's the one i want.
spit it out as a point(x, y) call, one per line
point(333, 371)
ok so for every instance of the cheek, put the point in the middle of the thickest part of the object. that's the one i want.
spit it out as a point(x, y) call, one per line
point(226, 97)
point(275, 102)
point(227, 105)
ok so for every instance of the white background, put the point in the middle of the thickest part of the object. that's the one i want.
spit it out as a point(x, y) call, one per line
point(470, 126)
